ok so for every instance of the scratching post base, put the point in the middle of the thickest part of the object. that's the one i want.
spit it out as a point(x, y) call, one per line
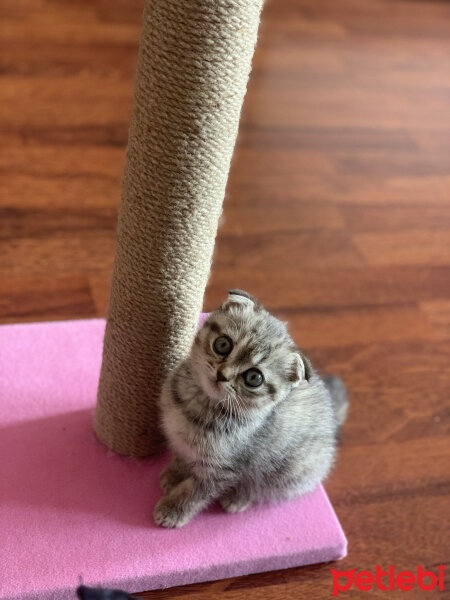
point(69, 508)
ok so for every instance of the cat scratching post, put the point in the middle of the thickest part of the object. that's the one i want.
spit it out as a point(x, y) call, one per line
point(193, 67)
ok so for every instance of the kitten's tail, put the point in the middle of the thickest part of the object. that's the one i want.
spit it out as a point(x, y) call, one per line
point(339, 396)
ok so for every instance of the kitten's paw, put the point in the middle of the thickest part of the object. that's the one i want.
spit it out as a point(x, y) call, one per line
point(168, 514)
point(234, 504)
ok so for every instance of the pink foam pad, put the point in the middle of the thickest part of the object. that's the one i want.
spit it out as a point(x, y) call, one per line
point(70, 508)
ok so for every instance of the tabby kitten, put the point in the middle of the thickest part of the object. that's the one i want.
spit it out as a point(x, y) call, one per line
point(247, 418)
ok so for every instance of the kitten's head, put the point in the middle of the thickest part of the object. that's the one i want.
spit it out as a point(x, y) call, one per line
point(244, 355)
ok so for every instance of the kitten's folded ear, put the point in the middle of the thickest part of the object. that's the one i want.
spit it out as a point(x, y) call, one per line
point(239, 298)
point(301, 369)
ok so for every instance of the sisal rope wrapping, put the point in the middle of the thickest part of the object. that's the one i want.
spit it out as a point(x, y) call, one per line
point(193, 67)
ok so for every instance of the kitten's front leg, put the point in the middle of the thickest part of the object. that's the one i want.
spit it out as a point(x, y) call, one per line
point(182, 503)
point(173, 474)
point(235, 500)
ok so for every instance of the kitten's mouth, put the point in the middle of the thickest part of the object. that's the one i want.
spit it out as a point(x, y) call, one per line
point(217, 386)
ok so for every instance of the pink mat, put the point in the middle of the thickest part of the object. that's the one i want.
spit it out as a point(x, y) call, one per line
point(69, 508)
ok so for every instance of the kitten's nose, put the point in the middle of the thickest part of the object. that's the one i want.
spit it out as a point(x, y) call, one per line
point(221, 376)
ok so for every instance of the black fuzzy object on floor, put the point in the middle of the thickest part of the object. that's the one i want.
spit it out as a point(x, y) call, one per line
point(87, 593)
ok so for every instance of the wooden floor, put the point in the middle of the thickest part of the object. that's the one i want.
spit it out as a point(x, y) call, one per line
point(337, 217)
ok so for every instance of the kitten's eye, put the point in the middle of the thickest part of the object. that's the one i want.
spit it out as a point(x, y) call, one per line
point(253, 378)
point(223, 345)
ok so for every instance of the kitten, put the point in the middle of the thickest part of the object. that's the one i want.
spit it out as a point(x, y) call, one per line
point(247, 418)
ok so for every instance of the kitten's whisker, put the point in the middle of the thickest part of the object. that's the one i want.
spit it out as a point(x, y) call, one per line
point(230, 412)
point(223, 411)
point(243, 414)
point(230, 415)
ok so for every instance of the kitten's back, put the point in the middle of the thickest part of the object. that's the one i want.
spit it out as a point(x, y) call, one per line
point(339, 396)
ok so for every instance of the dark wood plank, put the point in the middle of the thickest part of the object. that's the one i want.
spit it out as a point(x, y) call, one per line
point(24, 298)
point(337, 287)
point(336, 216)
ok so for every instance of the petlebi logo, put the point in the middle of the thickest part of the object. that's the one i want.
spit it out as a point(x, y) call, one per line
point(388, 580)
